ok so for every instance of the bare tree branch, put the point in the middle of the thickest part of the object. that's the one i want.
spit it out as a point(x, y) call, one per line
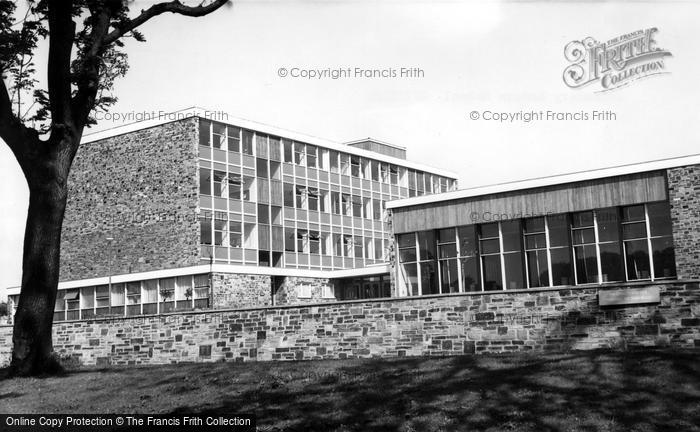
point(173, 6)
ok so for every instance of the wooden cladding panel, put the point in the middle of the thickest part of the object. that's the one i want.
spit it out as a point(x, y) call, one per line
point(572, 197)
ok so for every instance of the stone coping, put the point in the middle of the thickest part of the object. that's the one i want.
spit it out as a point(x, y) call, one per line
point(611, 285)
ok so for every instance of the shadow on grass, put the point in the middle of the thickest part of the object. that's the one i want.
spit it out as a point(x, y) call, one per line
point(580, 391)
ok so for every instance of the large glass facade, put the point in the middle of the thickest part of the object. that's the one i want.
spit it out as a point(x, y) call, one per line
point(258, 192)
point(616, 244)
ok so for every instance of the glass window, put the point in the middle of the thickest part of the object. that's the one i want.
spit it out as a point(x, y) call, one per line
point(314, 242)
point(426, 245)
point(234, 186)
point(261, 165)
point(263, 214)
point(235, 234)
point(248, 193)
point(299, 153)
point(234, 139)
point(205, 181)
point(311, 156)
point(313, 199)
point(205, 230)
point(288, 195)
point(219, 178)
point(635, 243)
point(301, 196)
point(248, 142)
point(219, 135)
point(447, 253)
point(289, 240)
point(428, 278)
point(204, 130)
point(344, 164)
point(333, 155)
point(288, 152)
point(355, 166)
point(660, 229)
point(220, 234)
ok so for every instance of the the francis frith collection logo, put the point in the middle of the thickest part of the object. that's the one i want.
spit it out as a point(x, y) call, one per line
point(615, 63)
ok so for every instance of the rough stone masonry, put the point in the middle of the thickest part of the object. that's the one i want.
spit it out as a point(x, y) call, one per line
point(547, 319)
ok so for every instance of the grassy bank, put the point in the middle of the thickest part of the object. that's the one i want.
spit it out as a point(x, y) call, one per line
point(580, 391)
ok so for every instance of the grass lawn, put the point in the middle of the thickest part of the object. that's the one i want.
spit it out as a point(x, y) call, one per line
point(578, 391)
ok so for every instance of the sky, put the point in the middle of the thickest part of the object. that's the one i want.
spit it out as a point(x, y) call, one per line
point(470, 60)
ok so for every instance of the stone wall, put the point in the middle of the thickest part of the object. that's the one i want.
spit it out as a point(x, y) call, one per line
point(548, 319)
point(141, 189)
point(241, 290)
point(684, 196)
point(291, 290)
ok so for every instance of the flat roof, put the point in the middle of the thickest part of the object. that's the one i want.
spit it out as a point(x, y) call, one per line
point(554, 180)
point(370, 139)
point(370, 270)
point(160, 118)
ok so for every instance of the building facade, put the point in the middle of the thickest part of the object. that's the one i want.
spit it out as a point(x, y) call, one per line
point(195, 211)
point(629, 225)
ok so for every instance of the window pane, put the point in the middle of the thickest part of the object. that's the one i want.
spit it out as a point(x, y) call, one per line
point(659, 219)
point(448, 276)
point(538, 272)
point(608, 225)
point(514, 271)
point(562, 272)
point(409, 274)
point(428, 278)
point(407, 254)
point(582, 219)
point(488, 230)
point(288, 154)
point(535, 241)
point(558, 226)
point(205, 181)
point(583, 236)
point(664, 258)
point(611, 262)
point(470, 274)
point(446, 235)
point(534, 225)
point(204, 132)
point(467, 240)
point(511, 236)
point(586, 264)
point(261, 165)
point(492, 273)
point(448, 250)
point(88, 297)
point(637, 257)
point(633, 213)
point(634, 231)
point(205, 230)
point(406, 240)
point(288, 195)
point(247, 142)
point(426, 245)
point(289, 240)
point(490, 246)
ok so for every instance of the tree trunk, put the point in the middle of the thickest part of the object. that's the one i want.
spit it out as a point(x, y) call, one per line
point(32, 336)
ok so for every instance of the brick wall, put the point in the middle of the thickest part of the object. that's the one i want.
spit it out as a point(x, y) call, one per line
point(684, 196)
point(241, 290)
point(141, 189)
point(549, 319)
